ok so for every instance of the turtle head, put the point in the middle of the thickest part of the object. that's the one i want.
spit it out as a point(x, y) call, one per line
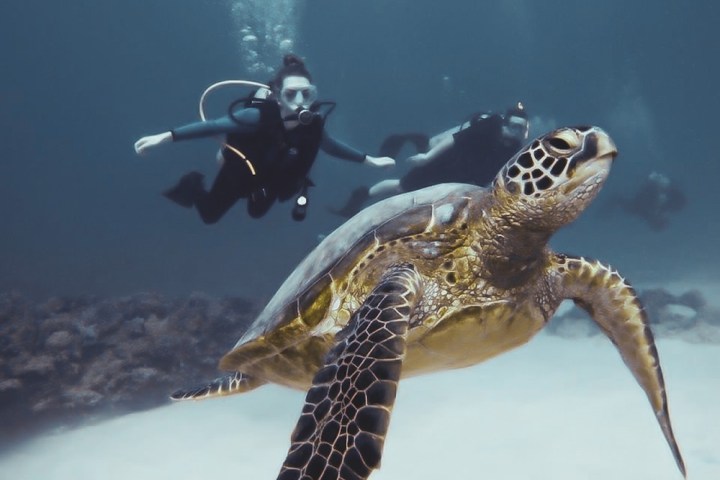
point(552, 180)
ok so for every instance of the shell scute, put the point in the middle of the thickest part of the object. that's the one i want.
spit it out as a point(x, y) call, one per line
point(414, 222)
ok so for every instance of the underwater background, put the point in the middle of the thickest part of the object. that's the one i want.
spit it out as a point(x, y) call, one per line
point(87, 235)
point(82, 213)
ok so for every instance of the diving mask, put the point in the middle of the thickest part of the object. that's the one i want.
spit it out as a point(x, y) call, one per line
point(299, 96)
point(516, 128)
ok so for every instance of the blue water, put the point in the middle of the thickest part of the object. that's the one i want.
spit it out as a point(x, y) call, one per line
point(82, 214)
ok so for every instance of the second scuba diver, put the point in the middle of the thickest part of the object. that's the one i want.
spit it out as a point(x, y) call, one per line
point(472, 152)
point(270, 146)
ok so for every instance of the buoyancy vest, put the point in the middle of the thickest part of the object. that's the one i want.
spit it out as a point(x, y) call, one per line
point(282, 158)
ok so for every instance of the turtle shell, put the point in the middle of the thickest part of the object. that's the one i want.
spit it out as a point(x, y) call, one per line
point(306, 296)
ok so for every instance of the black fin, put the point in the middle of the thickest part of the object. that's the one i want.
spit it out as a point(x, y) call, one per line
point(187, 190)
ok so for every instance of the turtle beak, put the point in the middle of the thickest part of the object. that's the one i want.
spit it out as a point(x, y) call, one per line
point(605, 146)
point(593, 163)
point(602, 151)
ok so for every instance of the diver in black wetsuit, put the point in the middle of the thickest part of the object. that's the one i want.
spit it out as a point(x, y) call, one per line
point(472, 152)
point(270, 146)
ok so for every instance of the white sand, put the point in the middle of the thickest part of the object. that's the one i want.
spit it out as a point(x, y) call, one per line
point(556, 408)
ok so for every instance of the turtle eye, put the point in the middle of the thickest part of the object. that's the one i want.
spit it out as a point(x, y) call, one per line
point(559, 143)
point(562, 141)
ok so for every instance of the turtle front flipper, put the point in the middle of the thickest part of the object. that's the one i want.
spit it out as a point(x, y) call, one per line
point(614, 306)
point(229, 384)
point(342, 428)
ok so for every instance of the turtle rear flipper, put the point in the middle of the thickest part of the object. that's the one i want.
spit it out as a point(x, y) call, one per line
point(229, 384)
point(614, 306)
point(342, 428)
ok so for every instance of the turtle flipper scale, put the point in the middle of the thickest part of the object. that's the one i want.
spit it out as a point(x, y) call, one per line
point(342, 428)
point(229, 384)
point(614, 306)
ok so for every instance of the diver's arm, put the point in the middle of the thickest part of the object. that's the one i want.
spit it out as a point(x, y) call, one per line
point(442, 146)
point(243, 121)
point(149, 141)
point(338, 149)
point(343, 151)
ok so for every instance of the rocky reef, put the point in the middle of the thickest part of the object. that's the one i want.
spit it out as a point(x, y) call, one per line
point(69, 360)
point(686, 316)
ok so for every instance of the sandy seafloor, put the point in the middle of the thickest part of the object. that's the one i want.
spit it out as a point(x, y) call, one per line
point(556, 408)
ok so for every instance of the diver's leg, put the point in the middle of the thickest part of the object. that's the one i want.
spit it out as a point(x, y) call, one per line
point(260, 201)
point(389, 186)
point(225, 192)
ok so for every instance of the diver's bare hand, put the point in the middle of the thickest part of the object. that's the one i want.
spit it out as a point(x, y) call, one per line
point(142, 145)
point(381, 162)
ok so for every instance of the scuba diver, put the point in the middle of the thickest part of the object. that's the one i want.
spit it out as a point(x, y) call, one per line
point(656, 197)
point(270, 146)
point(471, 152)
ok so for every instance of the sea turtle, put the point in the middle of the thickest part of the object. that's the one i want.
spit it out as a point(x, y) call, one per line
point(440, 278)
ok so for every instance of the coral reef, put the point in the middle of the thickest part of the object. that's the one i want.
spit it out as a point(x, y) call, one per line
point(71, 360)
